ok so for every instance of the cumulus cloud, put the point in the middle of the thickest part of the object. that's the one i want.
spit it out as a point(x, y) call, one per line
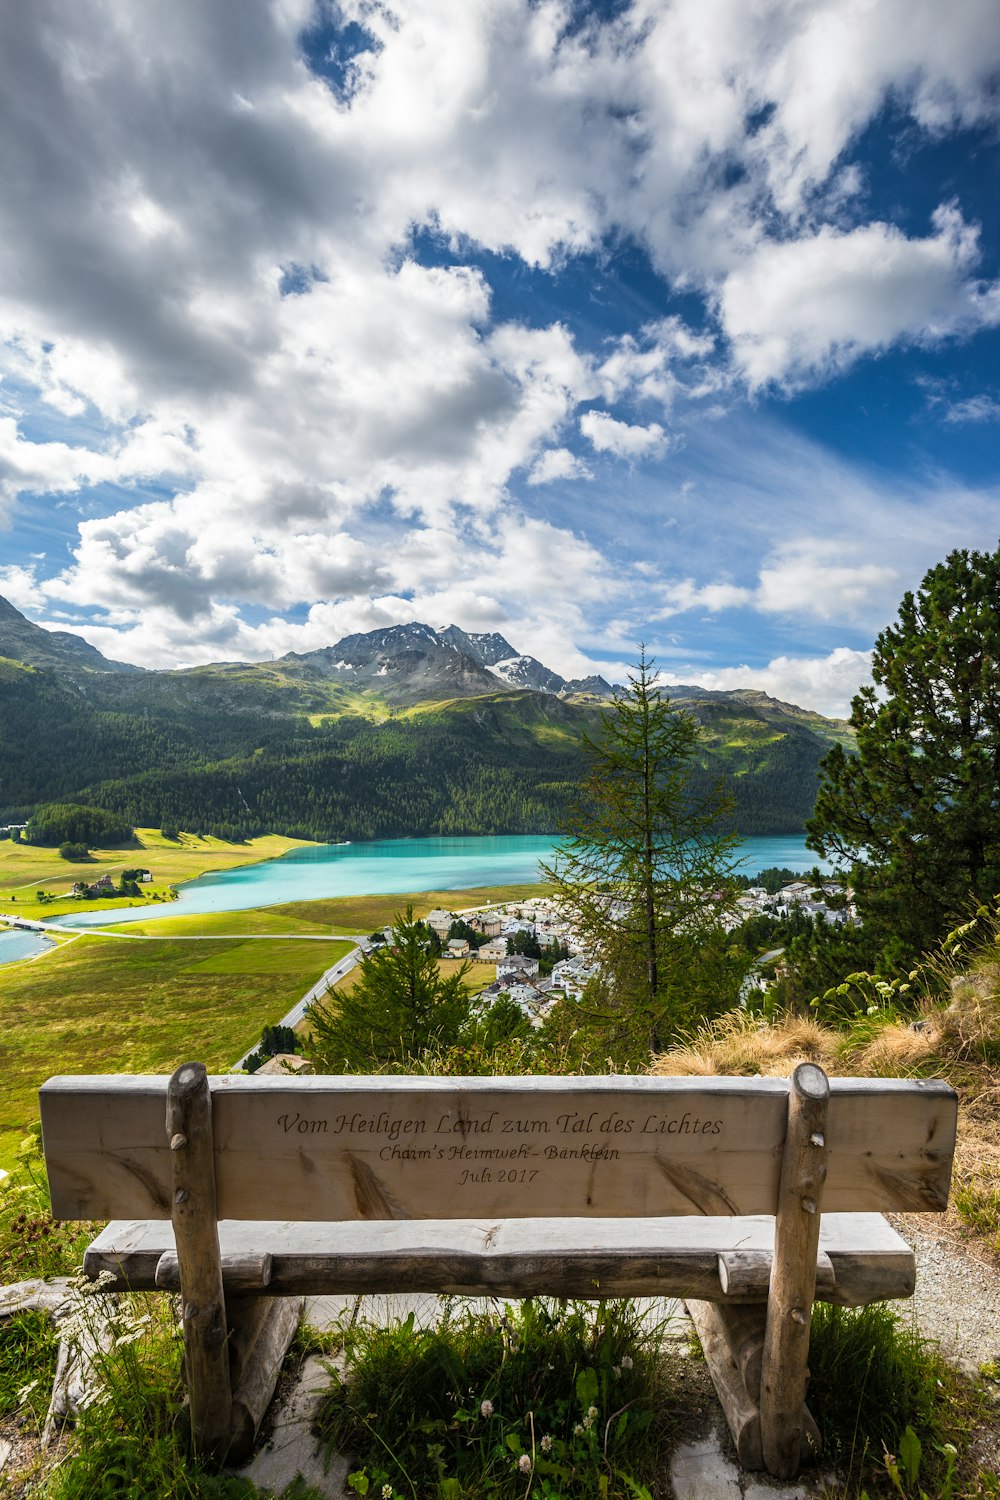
point(19, 587)
point(53, 467)
point(244, 297)
point(558, 463)
point(687, 595)
point(800, 308)
point(622, 439)
point(827, 579)
point(824, 683)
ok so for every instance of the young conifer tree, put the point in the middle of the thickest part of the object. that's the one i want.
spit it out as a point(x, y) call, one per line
point(400, 1007)
point(645, 873)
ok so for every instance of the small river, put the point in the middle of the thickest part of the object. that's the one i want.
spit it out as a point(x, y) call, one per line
point(391, 866)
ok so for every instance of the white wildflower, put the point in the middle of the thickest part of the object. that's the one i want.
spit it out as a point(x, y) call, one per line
point(387, 1492)
point(486, 1410)
point(524, 1463)
point(129, 1337)
point(592, 1412)
point(546, 1444)
point(627, 1362)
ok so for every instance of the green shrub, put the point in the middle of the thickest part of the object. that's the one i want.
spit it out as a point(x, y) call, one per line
point(130, 1441)
point(873, 1380)
point(979, 1206)
point(561, 1393)
point(75, 852)
point(32, 1243)
point(28, 1344)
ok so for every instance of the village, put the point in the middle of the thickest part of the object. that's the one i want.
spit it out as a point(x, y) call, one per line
point(541, 959)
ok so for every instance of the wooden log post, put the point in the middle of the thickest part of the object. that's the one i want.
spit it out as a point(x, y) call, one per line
point(738, 1404)
point(260, 1335)
point(196, 1234)
point(793, 1273)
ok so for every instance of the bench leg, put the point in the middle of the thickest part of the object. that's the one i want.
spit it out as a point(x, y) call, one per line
point(732, 1339)
point(196, 1234)
point(784, 1371)
point(261, 1330)
point(737, 1402)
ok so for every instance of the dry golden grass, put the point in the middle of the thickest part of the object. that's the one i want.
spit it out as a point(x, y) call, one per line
point(969, 1027)
point(956, 1042)
point(893, 1052)
point(976, 1190)
point(738, 1043)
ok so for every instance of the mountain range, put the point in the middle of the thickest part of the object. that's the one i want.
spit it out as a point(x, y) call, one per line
point(403, 731)
point(408, 663)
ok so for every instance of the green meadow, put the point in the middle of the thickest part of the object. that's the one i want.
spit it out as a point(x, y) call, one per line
point(26, 869)
point(354, 914)
point(201, 987)
point(104, 1004)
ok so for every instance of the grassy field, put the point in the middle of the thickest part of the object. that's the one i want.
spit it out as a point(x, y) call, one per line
point(26, 869)
point(121, 1005)
point(366, 913)
point(104, 1004)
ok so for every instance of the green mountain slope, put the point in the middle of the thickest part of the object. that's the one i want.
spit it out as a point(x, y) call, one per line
point(242, 748)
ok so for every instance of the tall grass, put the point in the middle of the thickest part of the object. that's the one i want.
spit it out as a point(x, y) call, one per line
point(545, 1398)
point(873, 1378)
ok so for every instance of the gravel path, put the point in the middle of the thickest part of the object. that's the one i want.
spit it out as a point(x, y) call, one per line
point(957, 1301)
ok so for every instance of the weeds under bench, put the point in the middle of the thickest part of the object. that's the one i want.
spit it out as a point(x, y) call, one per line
point(260, 1190)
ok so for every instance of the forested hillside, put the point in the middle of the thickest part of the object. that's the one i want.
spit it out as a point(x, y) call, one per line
point(286, 747)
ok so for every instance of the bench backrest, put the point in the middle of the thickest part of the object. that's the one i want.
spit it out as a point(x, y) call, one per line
point(335, 1148)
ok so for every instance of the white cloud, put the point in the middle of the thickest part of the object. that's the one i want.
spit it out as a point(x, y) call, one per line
point(351, 445)
point(824, 683)
point(19, 586)
point(799, 308)
point(685, 595)
point(981, 408)
point(831, 65)
point(607, 435)
point(52, 467)
point(558, 463)
point(655, 366)
point(827, 579)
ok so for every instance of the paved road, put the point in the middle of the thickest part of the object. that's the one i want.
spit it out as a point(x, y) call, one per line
point(324, 983)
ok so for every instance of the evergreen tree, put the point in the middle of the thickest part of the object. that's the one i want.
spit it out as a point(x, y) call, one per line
point(916, 813)
point(645, 872)
point(399, 1007)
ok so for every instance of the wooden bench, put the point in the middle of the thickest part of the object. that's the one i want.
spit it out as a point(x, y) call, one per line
point(243, 1191)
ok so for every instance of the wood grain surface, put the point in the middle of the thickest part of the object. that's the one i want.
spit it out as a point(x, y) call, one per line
point(404, 1148)
point(569, 1257)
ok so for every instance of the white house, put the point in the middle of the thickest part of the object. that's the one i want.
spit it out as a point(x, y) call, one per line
point(516, 966)
point(572, 975)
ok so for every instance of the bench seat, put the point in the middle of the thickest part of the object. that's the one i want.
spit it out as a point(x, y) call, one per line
point(861, 1257)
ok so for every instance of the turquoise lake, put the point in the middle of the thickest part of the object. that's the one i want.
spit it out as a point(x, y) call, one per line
point(17, 945)
point(396, 865)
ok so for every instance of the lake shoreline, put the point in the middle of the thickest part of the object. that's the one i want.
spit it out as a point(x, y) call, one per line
point(406, 868)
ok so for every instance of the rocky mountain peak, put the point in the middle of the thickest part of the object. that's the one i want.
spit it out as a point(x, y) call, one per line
point(22, 640)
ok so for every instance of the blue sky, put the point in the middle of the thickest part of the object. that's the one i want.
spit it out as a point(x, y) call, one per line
point(593, 324)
